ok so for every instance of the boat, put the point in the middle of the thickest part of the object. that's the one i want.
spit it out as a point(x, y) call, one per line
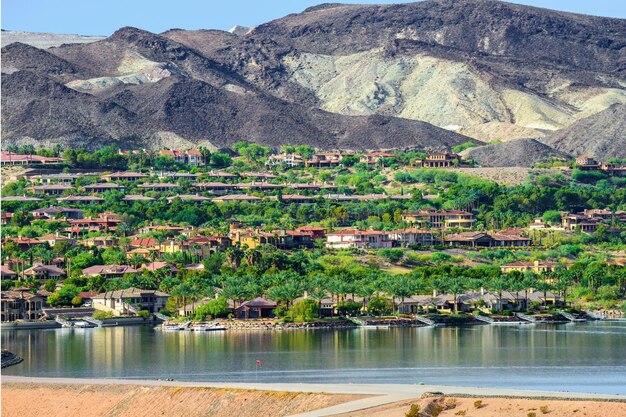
point(206, 327)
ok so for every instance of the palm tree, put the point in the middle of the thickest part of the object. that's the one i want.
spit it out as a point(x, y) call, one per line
point(499, 284)
point(454, 285)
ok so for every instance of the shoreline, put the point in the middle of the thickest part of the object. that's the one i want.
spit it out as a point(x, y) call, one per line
point(361, 389)
point(66, 397)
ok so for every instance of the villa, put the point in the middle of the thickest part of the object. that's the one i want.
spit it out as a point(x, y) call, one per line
point(130, 301)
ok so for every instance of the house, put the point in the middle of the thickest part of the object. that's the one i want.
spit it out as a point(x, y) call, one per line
point(229, 198)
point(220, 174)
point(61, 178)
point(44, 272)
point(155, 266)
point(7, 273)
point(106, 222)
point(101, 242)
point(11, 158)
point(440, 219)
point(56, 212)
point(144, 242)
point(200, 245)
point(87, 296)
point(50, 189)
point(176, 176)
point(6, 217)
point(196, 198)
point(130, 301)
point(412, 236)
point(21, 304)
point(85, 199)
point(256, 309)
point(192, 157)
point(109, 271)
point(374, 157)
point(325, 159)
point(316, 232)
point(580, 221)
point(355, 238)
point(614, 169)
point(259, 186)
point(483, 239)
point(282, 239)
point(218, 188)
point(157, 186)
point(136, 197)
point(53, 239)
point(124, 176)
point(259, 175)
point(289, 160)
point(297, 199)
point(190, 309)
point(25, 243)
point(538, 267)
point(440, 160)
point(587, 163)
point(102, 187)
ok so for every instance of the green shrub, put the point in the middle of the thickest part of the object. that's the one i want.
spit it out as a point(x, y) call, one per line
point(414, 411)
point(348, 308)
point(478, 404)
point(305, 310)
point(144, 314)
point(102, 315)
point(212, 308)
point(544, 409)
point(379, 306)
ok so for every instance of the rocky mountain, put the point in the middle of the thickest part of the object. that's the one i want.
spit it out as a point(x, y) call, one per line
point(599, 136)
point(136, 88)
point(44, 40)
point(335, 75)
point(514, 153)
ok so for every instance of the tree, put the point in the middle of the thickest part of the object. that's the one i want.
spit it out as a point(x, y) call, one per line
point(212, 309)
point(452, 284)
point(348, 308)
point(379, 306)
point(77, 301)
point(500, 284)
point(304, 310)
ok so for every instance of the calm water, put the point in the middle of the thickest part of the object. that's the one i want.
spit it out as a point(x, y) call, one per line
point(574, 357)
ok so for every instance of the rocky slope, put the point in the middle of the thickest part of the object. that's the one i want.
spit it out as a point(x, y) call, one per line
point(514, 153)
point(481, 66)
point(599, 136)
point(362, 76)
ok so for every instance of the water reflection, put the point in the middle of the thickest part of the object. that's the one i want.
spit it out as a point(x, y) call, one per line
point(581, 357)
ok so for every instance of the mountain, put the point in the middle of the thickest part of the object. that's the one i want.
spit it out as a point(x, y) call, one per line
point(44, 40)
point(431, 75)
point(137, 88)
point(514, 153)
point(599, 136)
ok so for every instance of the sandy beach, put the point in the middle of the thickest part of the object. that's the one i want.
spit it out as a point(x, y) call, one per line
point(25, 397)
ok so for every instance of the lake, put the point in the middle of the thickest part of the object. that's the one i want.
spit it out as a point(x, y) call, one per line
point(585, 357)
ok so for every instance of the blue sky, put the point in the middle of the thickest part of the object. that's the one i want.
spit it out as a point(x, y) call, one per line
point(89, 17)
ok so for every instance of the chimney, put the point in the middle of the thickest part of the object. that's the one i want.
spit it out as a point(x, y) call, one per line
point(482, 290)
point(434, 293)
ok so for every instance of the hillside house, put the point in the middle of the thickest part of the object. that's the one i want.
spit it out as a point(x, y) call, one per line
point(130, 301)
point(440, 219)
point(440, 160)
point(355, 238)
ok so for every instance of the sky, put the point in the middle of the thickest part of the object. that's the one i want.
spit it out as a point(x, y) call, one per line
point(91, 17)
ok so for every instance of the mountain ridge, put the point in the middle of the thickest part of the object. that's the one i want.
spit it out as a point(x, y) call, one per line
point(408, 74)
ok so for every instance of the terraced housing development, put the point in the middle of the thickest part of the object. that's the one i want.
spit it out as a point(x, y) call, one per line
point(129, 240)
